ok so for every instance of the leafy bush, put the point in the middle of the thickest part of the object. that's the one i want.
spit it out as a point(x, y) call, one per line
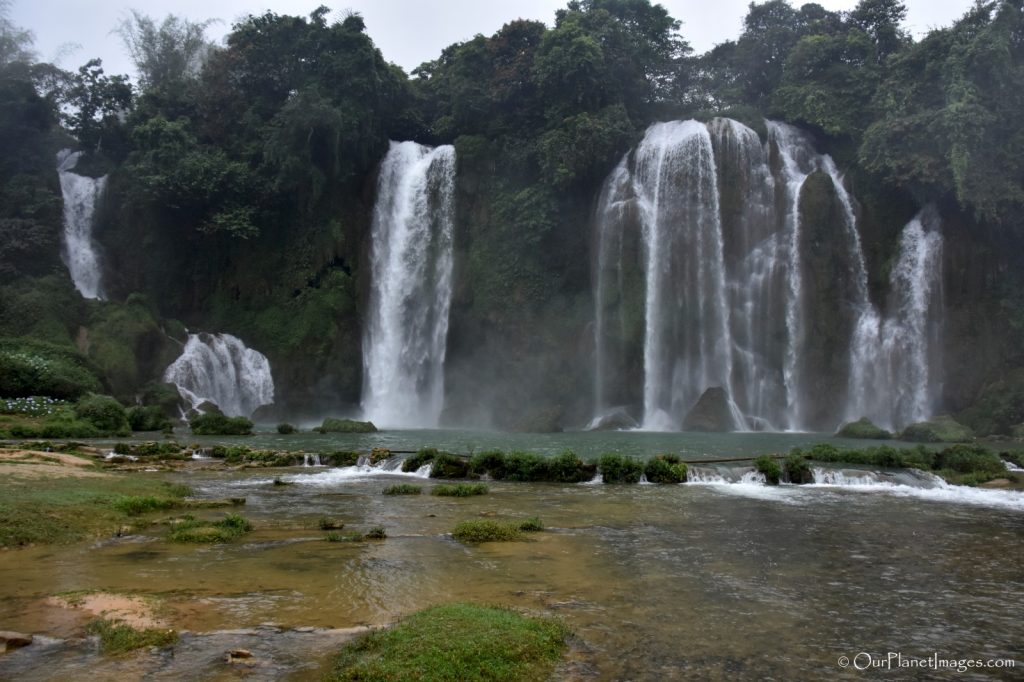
point(148, 418)
point(403, 489)
point(568, 468)
point(797, 469)
point(966, 459)
point(665, 469)
point(766, 465)
point(285, 428)
point(211, 424)
point(36, 368)
point(460, 490)
point(340, 458)
point(105, 413)
point(618, 469)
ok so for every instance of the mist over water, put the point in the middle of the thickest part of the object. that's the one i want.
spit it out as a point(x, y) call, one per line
point(220, 368)
point(80, 252)
point(411, 271)
point(709, 274)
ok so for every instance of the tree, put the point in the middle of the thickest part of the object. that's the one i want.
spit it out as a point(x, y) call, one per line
point(98, 104)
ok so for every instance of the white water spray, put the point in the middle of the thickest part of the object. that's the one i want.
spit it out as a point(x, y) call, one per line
point(219, 368)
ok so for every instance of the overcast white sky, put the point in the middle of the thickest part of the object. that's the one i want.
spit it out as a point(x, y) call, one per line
point(408, 32)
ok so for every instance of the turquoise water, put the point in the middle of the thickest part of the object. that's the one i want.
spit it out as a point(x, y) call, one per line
point(691, 445)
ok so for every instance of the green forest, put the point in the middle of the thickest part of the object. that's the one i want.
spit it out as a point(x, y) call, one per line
point(242, 177)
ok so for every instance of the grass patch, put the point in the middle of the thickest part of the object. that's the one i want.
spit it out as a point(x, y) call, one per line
point(462, 642)
point(531, 525)
point(460, 490)
point(475, 531)
point(119, 638)
point(192, 530)
point(63, 510)
point(137, 505)
point(403, 489)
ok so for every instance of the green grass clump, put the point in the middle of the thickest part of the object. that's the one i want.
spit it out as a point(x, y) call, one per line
point(797, 469)
point(376, 533)
point(119, 638)
point(198, 531)
point(136, 505)
point(460, 490)
point(327, 523)
point(446, 465)
point(213, 424)
point(531, 525)
point(148, 418)
point(423, 457)
point(766, 465)
point(618, 469)
point(665, 469)
point(462, 642)
point(340, 458)
point(403, 489)
point(475, 531)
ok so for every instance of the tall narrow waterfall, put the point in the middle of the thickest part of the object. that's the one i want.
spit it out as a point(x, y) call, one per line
point(722, 260)
point(896, 384)
point(79, 251)
point(411, 270)
point(219, 368)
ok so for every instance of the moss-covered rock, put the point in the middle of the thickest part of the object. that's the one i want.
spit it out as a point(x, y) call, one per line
point(616, 420)
point(998, 407)
point(711, 413)
point(863, 428)
point(797, 469)
point(942, 429)
point(336, 425)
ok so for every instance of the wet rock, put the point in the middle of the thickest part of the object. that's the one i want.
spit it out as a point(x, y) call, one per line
point(711, 413)
point(942, 429)
point(615, 420)
point(13, 640)
point(863, 428)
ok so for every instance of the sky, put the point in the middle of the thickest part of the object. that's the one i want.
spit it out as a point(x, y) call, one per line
point(408, 32)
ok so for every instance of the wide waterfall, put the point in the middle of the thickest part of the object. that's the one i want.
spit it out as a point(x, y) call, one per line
point(411, 269)
point(726, 261)
point(219, 368)
point(80, 252)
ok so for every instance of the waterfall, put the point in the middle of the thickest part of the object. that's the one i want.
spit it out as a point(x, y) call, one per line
point(725, 260)
point(411, 272)
point(894, 384)
point(80, 252)
point(219, 368)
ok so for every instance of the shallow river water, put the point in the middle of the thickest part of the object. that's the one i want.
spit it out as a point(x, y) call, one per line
point(696, 581)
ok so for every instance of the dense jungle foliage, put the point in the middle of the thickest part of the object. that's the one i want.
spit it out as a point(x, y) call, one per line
point(242, 179)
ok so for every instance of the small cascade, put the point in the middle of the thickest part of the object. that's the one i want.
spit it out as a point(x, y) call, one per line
point(724, 260)
point(311, 460)
point(219, 368)
point(80, 252)
point(895, 383)
point(411, 270)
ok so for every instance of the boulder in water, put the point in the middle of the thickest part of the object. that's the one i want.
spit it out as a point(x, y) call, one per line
point(711, 413)
point(863, 428)
point(942, 429)
point(335, 425)
point(616, 420)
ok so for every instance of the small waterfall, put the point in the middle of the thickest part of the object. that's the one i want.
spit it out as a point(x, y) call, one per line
point(894, 384)
point(220, 369)
point(80, 252)
point(725, 260)
point(411, 265)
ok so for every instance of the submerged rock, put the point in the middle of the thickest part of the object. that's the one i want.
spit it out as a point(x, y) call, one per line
point(13, 640)
point(616, 420)
point(863, 428)
point(942, 429)
point(711, 413)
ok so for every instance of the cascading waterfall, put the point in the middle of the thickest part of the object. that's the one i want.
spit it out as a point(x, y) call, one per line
point(411, 270)
point(895, 384)
point(219, 368)
point(79, 251)
point(748, 275)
